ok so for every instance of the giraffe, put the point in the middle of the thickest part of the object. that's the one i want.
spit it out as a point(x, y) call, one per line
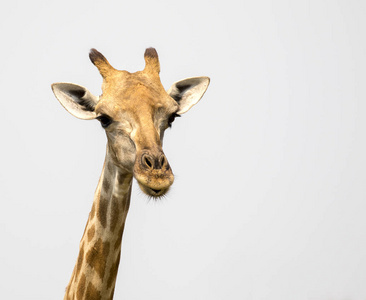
point(135, 110)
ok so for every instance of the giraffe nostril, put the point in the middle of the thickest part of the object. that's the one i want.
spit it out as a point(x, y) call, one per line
point(154, 162)
point(147, 161)
point(162, 160)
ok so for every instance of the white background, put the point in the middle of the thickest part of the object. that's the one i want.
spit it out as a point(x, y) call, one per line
point(269, 197)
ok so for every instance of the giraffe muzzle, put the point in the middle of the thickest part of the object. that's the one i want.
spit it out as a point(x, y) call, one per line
point(151, 162)
point(153, 173)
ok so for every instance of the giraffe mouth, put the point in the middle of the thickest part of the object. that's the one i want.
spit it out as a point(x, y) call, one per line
point(151, 192)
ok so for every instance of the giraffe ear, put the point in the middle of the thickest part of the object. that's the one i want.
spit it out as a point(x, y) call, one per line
point(76, 99)
point(188, 92)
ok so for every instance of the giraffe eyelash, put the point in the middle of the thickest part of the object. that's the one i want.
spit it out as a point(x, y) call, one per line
point(172, 118)
point(104, 120)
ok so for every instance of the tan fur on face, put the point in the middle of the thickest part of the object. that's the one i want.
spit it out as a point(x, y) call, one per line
point(139, 107)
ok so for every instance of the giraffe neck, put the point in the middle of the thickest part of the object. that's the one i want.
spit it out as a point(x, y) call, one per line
point(95, 272)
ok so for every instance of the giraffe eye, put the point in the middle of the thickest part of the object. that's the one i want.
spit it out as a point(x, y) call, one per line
point(104, 120)
point(172, 118)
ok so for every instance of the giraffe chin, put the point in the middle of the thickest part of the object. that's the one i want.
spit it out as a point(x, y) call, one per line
point(154, 193)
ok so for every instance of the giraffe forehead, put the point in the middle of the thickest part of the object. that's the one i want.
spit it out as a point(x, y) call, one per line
point(127, 85)
point(137, 101)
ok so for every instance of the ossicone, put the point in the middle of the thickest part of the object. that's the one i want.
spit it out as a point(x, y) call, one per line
point(100, 62)
point(152, 64)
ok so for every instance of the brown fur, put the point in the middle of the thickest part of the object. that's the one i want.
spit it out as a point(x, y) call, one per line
point(91, 232)
point(92, 293)
point(96, 257)
point(103, 210)
point(79, 262)
point(106, 185)
point(117, 244)
point(81, 287)
point(113, 272)
point(115, 215)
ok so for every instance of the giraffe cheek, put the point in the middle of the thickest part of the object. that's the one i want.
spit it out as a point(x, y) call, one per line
point(123, 154)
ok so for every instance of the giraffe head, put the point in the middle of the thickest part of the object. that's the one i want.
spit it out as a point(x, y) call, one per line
point(135, 110)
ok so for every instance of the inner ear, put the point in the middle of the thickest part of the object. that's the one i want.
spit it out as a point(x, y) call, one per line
point(77, 93)
point(188, 92)
point(79, 97)
point(76, 99)
point(177, 95)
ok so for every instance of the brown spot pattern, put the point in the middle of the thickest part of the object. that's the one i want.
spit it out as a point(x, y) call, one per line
point(115, 213)
point(112, 292)
point(120, 178)
point(118, 242)
point(113, 272)
point(110, 166)
point(106, 185)
point(102, 211)
point(97, 256)
point(92, 293)
point(91, 232)
point(79, 262)
point(81, 287)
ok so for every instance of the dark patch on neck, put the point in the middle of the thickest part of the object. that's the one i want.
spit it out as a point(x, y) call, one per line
point(113, 273)
point(117, 244)
point(81, 287)
point(106, 185)
point(92, 293)
point(79, 262)
point(97, 257)
point(103, 211)
point(115, 214)
point(104, 202)
point(91, 232)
